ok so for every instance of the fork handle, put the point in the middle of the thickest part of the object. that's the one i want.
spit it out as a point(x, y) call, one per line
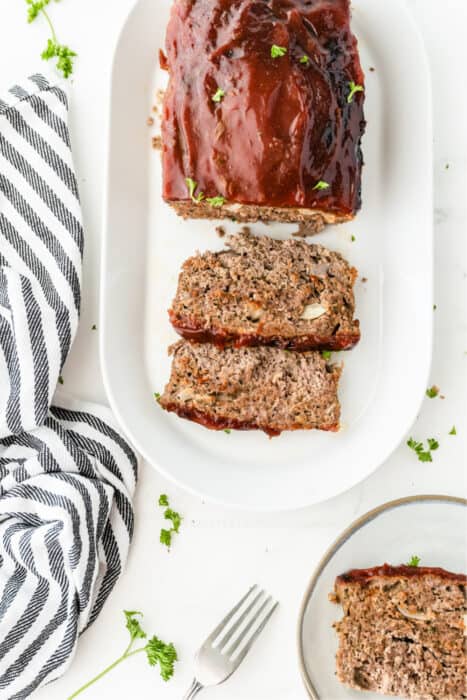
point(194, 689)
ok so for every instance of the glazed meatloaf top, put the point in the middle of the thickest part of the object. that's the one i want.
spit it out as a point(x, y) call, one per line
point(252, 388)
point(403, 632)
point(261, 106)
point(265, 291)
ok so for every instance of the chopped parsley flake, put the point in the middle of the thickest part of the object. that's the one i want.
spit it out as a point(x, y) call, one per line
point(218, 95)
point(215, 201)
point(278, 51)
point(60, 379)
point(354, 88)
point(321, 185)
point(228, 431)
point(424, 455)
point(432, 392)
point(192, 186)
point(94, 327)
point(352, 238)
point(415, 561)
point(304, 59)
point(165, 536)
point(326, 354)
point(453, 430)
point(157, 396)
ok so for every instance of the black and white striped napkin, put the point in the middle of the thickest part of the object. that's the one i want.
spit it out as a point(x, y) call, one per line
point(66, 476)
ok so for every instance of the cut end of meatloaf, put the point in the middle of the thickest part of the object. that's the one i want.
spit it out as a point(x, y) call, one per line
point(262, 291)
point(252, 388)
point(314, 220)
point(260, 112)
point(403, 632)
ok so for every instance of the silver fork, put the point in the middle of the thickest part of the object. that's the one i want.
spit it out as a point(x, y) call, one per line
point(216, 660)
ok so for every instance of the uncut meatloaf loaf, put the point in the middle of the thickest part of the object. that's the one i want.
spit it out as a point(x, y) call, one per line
point(262, 291)
point(252, 388)
point(263, 114)
point(403, 632)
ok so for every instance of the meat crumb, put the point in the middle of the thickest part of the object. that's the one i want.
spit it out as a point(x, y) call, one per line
point(364, 279)
point(150, 121)
point(307, 228)
point(157, 142)
point(372, 69)
point(220, 230)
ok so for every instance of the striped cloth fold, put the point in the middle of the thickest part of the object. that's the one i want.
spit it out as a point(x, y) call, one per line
point(66, 476)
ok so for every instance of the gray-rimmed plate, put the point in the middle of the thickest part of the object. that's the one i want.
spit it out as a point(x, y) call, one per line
point(431, 527)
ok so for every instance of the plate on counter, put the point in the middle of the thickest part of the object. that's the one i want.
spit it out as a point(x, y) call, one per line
point(145, 243)
point(433, 528)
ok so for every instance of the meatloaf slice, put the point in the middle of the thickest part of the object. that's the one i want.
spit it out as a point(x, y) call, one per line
point(263, 113)
point(403, 632)
point(252, 388)
point(262, 291)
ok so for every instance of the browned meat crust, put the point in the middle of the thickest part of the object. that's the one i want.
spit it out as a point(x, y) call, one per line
point(314, 220)
point(189, 330)
point(388, 571)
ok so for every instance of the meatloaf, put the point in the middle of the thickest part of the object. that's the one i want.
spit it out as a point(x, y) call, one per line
point(252, 388)
point(403, 632)
point(263, 291)
point(263, 114)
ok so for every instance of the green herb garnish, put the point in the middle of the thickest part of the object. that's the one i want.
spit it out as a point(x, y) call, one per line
point(227, 430)
point(94, 327)
point(218, 95)
point(321, 185)
point(157, 396)
point(352, 238)
point(415, 561)
point(216, 201)
point(60, 379)
point(157, 652)
point(453, 430)
point(423, 454)
point(354, 88)
point(432, 392)
point(278, 51)
point(192, 186)
point(304, 59)
point(169, 514)
point(326, 354)
point(54, 49)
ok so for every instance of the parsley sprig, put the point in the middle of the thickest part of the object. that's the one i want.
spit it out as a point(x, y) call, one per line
point(423, 454)
point(278, 51)
point(321, 185)
point(432, 392)
point(171, 515)
point(354, 88)
point(157, 651)
point(415, 561)
point(217, 201)
point(54, 49)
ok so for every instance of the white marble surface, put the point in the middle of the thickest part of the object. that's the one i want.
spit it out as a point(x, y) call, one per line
point(219, 552)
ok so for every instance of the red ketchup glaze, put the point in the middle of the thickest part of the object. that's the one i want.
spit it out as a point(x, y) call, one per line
point(219, 423)
point(388, 571)
point(190, 331)
point(282, 125)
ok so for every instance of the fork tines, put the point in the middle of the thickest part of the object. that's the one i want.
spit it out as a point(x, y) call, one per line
point(254, 611)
